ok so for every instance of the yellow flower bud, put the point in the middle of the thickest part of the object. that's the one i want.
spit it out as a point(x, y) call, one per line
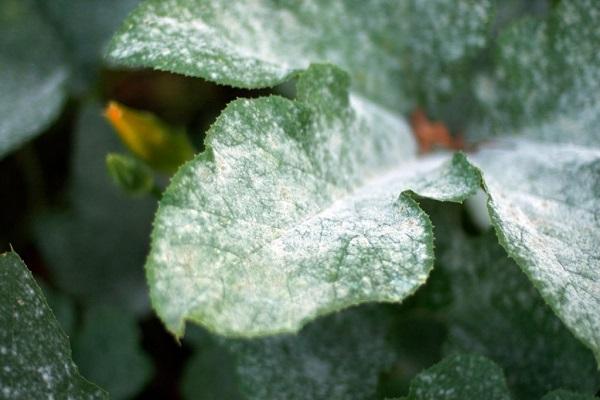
point(162, 147)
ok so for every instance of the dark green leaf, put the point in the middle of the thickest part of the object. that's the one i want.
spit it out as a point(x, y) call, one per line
point(35, 357)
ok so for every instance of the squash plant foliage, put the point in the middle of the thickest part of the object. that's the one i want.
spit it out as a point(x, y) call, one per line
point(310, 249)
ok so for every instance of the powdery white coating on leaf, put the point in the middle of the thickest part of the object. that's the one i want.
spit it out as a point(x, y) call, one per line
point(33, 74)
point(337, 357)
point(257, 43)
point(35, 358)
point(460, 377)
point(544, 203)
point(296, 210)
point(547, 78)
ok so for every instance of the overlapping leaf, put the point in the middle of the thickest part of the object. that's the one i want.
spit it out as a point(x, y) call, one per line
point(544, 205)
point(296, 209)
point(35, 357)
point(394, 51)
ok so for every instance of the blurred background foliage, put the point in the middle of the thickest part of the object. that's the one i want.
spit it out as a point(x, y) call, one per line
point(86, 240)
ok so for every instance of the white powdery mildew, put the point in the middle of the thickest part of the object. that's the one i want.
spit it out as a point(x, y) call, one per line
point(545, 201)
point(293, 215)
point(255, 43)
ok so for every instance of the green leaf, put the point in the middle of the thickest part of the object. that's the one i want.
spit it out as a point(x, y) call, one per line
point(296, 209)
point(566, 395)
point(544, 206)
point(107, 350)
point(35, 358)
point(460, 377)
point(546, 78)
point(495, 311)
point(33, 73)
point(95, 249)
point(63, 308)
point(407, 49)
point(337, 357)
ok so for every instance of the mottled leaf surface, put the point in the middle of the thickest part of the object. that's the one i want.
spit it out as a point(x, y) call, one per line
point(337, 357)
point(95, 249)
point(546, 78)
point(460, 377)
point(107, 350)
point(544, 205)
point(495, 311)
point(296, 209)
point(35, 357)
point(33, 73)
point(407, 49)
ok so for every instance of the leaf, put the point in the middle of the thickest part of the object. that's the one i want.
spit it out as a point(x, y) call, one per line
point(495, 311)
point(546, 78)
point(460, 377)
point(544, 206)
point(407, 48)
point(107, 349)
point(35, 355)
point(95, 249)
point(296, 209)
point(337, 357)
point(566, 395)
point(33, 73)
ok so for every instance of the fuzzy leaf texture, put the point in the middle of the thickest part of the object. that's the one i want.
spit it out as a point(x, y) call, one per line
point(404, 45)
point(35, 357)
point(296, 210)
point(543, 197)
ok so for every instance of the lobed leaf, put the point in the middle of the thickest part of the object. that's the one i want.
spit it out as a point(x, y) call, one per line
point(296, 209)
point(35, 357)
